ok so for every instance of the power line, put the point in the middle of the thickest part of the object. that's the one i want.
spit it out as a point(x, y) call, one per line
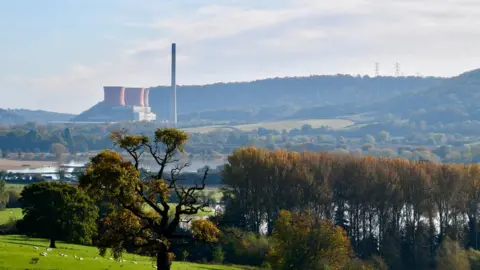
point(377, 69)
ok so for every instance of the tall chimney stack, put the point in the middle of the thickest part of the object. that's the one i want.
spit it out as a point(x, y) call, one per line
point(174, 84)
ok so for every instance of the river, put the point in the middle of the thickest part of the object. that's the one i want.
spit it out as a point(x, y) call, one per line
point(150, 165)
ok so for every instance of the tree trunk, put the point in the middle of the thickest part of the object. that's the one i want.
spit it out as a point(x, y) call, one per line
point(52, 243)
point(163, 260)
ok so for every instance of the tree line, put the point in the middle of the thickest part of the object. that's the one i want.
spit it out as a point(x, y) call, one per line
point(284, 209)
point(397, 209)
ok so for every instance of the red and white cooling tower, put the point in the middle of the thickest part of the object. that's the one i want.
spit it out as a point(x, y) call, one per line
point(114, 95)
point(134, 96)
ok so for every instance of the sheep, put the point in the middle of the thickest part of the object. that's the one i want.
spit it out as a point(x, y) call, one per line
point(43, 254)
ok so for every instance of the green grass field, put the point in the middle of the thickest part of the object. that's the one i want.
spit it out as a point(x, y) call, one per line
point(280, 125)
point(206, 213)
point(10, 213)
point(17, 252)
point(16, 213)
point(15, 187)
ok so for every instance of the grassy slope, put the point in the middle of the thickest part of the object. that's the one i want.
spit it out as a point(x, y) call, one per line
point(10, 213)
point(15, 187)
point(17, 252)
point(281, 125)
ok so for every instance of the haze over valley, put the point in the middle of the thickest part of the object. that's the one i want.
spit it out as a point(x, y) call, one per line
point(240, 135)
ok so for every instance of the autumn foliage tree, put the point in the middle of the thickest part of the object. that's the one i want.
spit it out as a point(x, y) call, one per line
point(398, 209)
point(137, 216)
point(301, 241)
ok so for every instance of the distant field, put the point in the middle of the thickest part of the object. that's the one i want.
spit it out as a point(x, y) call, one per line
point(206, 213)
point(15, 187)
point(10, 213)
point(17, 252)
point(7, 164)
point(16, 213)
point(281, 125)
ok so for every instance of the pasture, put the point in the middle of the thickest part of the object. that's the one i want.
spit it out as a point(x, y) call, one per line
point(280, 125)
point(9, 164)
point(8, 214)
point(15, 187)
point(17, 252)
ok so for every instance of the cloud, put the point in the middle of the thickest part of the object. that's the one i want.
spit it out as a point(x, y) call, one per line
point(245, 40)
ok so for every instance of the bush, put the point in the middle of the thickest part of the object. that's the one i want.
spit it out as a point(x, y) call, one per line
point(451, 256)
point(10, 227)
point(185, 255)
point(249, 249)
point(474, 259)
point(218, 255)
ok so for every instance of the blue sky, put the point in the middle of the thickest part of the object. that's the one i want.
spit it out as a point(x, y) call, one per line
point(57, 54)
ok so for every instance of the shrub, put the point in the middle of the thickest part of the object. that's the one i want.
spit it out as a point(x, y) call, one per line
point(249, 249)
point(474, 258)
point(218, 255)
point(10, 227)
point(185, 255)
point(451, 256)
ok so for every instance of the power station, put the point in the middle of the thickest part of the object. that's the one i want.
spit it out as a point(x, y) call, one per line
point(122, 103)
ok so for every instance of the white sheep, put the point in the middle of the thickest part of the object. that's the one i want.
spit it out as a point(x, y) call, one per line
point(36, 248)
point(43, 254)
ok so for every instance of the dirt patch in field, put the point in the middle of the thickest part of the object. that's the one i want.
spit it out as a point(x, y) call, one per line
point(7, 164)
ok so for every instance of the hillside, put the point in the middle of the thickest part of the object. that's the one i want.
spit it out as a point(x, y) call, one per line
point(17, 116)
point(453, 100)
point(19, 253)
point(274, 99)
point(8, 117)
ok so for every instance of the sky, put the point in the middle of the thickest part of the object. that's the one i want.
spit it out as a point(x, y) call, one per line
point(57, 55)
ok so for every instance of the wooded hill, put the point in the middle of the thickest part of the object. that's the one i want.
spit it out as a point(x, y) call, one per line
point(277, 98)
point(429, 99)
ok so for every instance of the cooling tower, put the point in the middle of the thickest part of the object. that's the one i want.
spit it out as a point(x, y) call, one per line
point(134, 96)
point(146, 94)
point(114, 95)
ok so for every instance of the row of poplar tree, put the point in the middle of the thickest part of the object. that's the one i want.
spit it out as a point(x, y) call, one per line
point(393, 208)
